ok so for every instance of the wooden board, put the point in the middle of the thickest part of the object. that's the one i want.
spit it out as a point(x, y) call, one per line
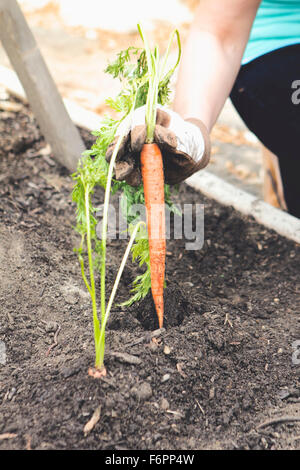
point(41, 91)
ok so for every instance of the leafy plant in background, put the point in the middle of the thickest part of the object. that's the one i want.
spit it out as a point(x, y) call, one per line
point(131, 68)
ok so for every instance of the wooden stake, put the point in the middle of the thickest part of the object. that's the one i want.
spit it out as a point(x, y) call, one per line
point(41, 91)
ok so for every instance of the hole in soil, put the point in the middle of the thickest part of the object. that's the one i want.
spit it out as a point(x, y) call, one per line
point(176, 308)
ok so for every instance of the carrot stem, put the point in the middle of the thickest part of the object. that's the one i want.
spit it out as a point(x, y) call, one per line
point(117, 280)
point(91, 269)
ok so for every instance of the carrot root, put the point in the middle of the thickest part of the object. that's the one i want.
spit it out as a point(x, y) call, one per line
point(153, 180)
point(97, 373)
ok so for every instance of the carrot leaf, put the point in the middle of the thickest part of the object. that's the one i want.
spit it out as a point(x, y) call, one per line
point(144, 81)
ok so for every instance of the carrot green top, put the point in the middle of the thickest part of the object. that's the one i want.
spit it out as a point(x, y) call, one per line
point(277, 24)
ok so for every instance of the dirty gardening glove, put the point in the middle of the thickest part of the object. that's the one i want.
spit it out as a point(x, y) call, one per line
point(184, 144)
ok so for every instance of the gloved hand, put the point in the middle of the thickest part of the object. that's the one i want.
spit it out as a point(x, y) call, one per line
point(185, 146)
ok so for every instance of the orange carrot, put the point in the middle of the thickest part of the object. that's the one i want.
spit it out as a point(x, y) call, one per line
point(153, 180)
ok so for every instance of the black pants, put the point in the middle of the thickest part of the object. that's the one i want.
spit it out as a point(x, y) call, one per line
point(264, 96)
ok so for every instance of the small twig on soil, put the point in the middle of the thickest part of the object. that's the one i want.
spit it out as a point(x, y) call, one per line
point(7, 435)
point(282, 419)
point(201, 409)
point(55, 341)
point(176, 413)
point(179, 368)
point(147, 337)
point(92, 422)
point(227, 320)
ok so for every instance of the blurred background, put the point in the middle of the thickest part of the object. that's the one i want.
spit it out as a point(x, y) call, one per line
point(78, 38)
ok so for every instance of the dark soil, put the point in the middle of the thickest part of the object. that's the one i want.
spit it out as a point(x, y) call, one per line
point(221, 367)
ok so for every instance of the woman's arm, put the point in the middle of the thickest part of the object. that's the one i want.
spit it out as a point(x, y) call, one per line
point(212, 57)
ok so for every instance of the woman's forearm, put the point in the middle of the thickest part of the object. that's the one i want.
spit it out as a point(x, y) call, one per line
point(210, 63)
point(205, 79)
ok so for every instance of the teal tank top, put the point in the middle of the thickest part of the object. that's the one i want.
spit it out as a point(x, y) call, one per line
point(277, 24)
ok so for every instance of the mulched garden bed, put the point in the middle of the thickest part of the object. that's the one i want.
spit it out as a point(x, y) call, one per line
point(216, 378)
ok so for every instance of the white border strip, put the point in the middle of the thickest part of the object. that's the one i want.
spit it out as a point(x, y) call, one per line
point(229, 195)
point(203, 181)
